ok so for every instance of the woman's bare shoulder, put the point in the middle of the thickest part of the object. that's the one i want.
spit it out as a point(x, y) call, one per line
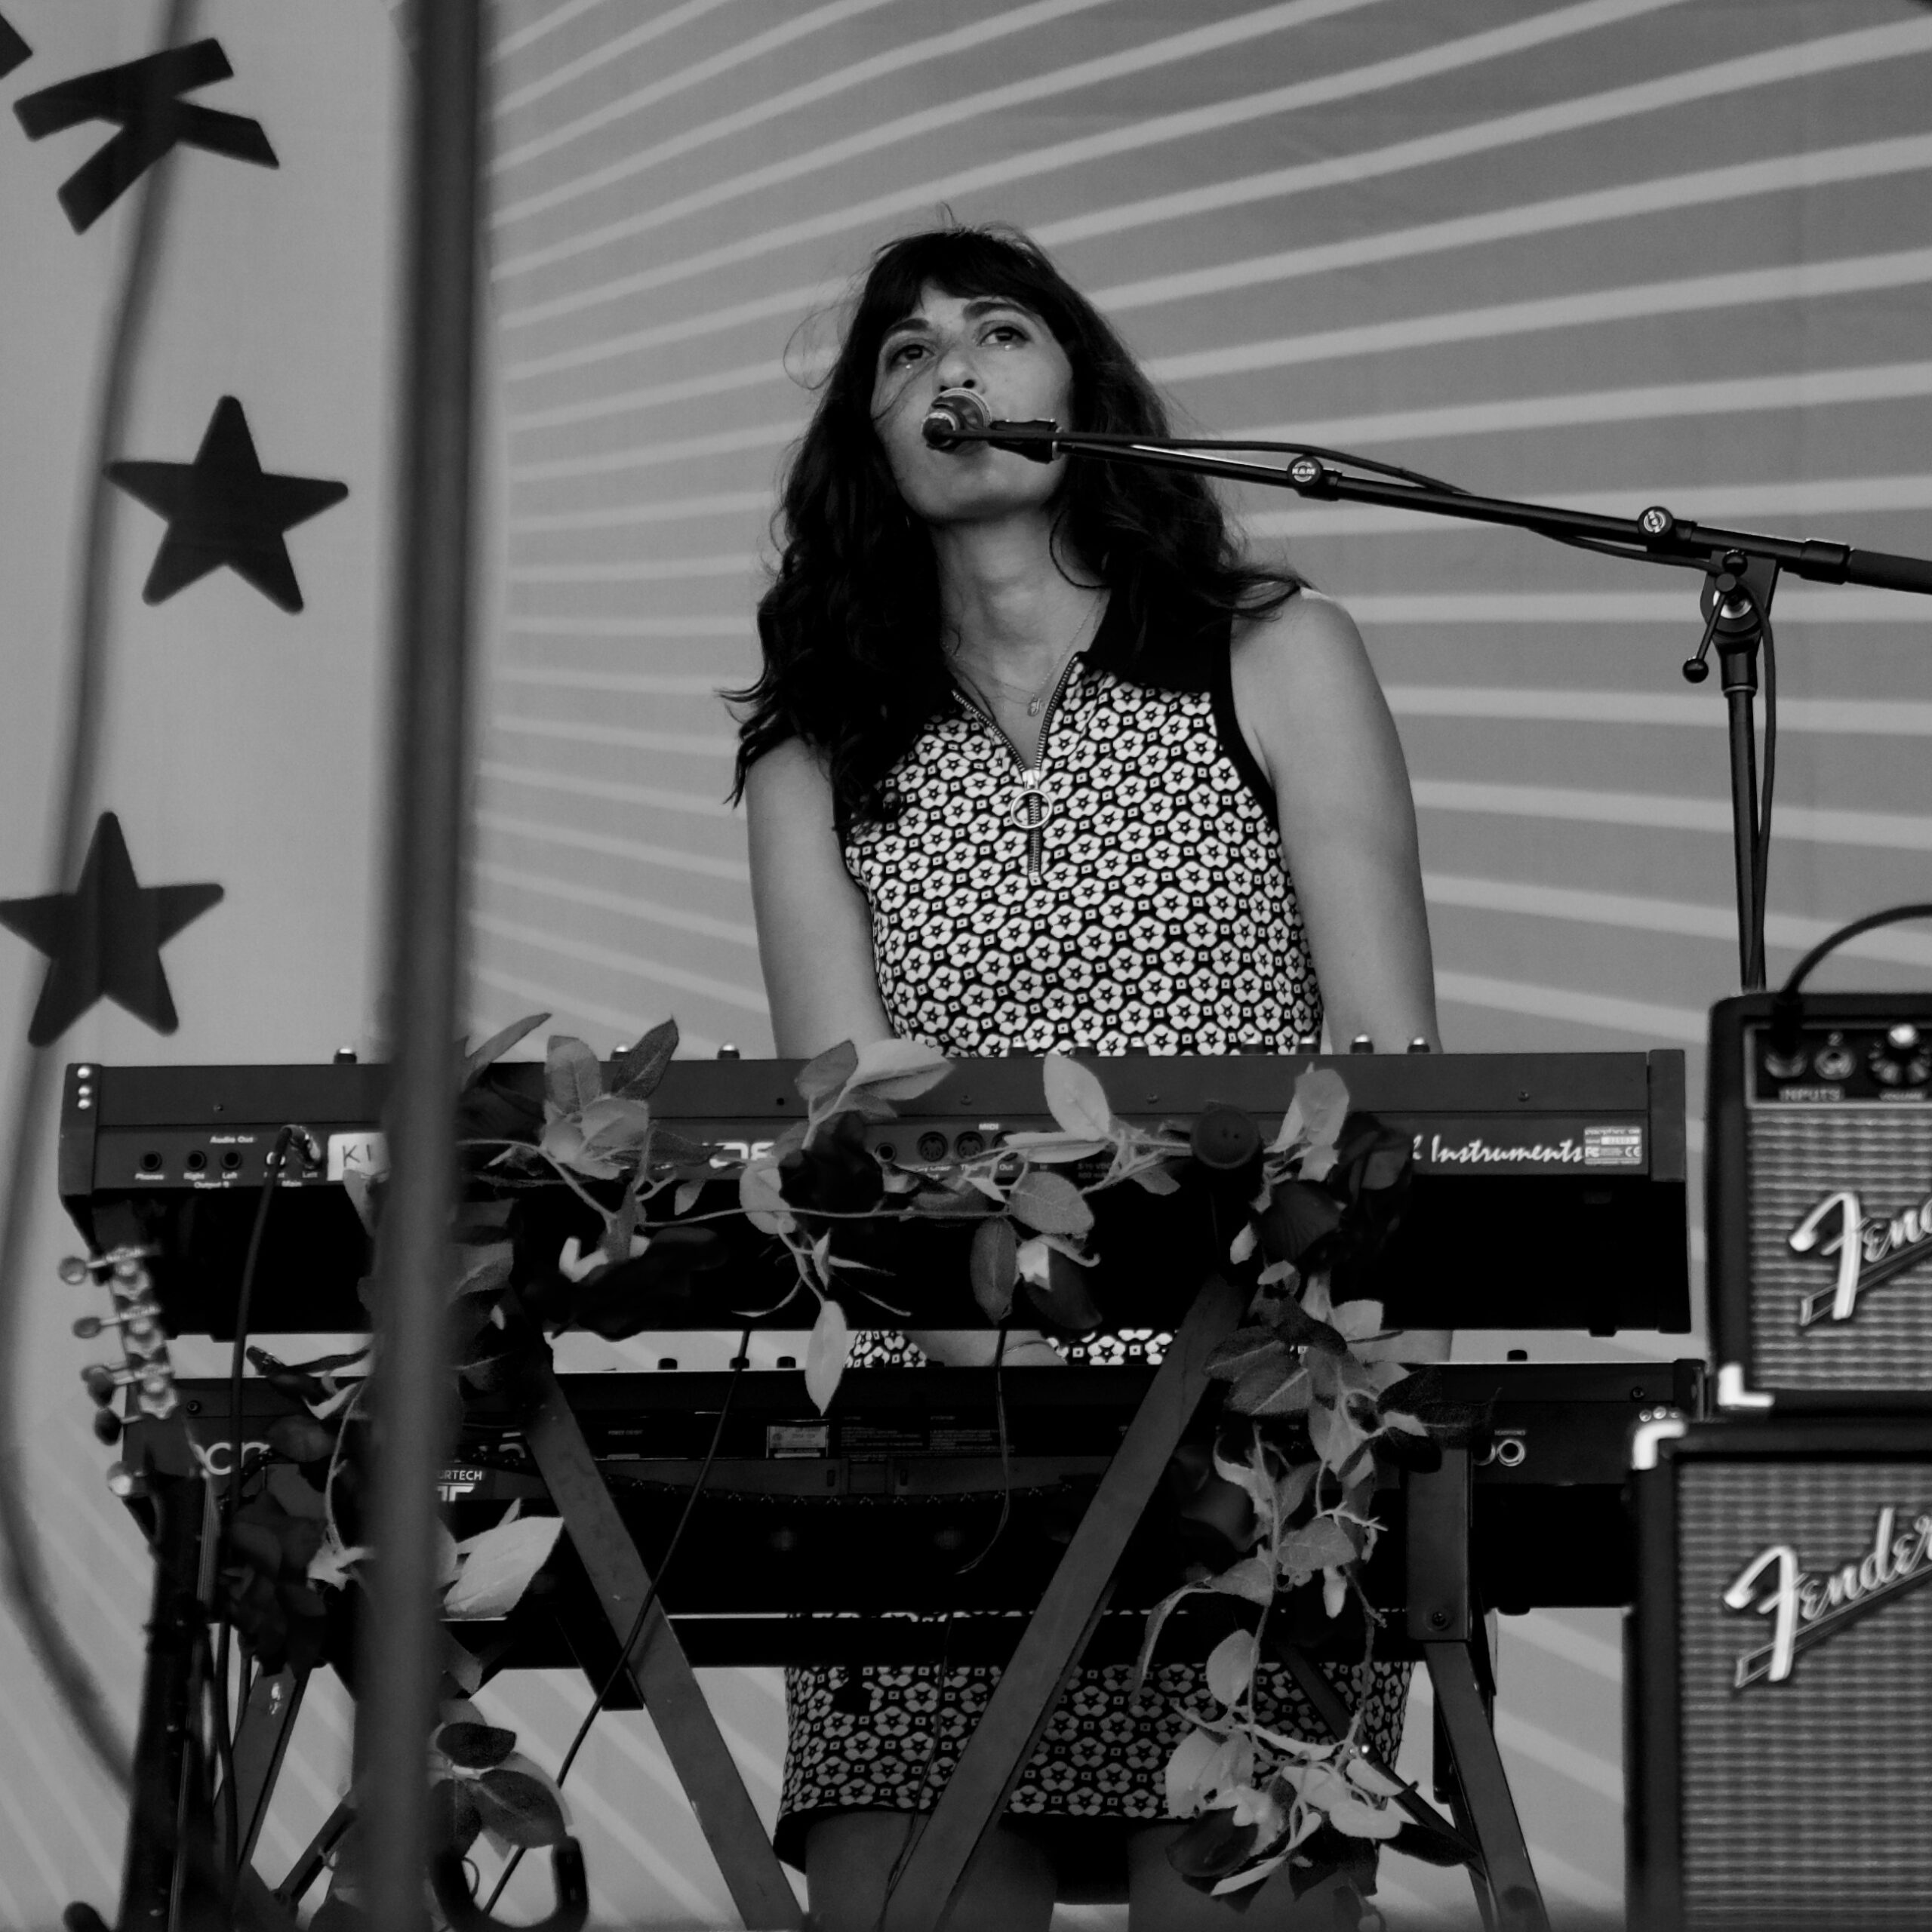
point(789, 770)
point(1301, 675)
point(1309, 634)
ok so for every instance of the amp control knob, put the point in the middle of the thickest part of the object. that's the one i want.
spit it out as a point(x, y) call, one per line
point(1902, 1059)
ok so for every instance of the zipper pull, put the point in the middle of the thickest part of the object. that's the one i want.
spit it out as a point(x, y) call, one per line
point(1030, 812)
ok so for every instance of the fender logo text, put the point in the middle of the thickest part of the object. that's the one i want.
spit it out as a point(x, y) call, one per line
point(1870, 1249)
point(1805, 1607)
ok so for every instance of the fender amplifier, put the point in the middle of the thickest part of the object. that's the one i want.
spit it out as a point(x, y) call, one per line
point(1820, 1202)
point(1780, 1762)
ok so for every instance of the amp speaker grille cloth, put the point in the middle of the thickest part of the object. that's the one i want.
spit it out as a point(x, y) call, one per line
point(1806, 1803)
point(1797, 1156)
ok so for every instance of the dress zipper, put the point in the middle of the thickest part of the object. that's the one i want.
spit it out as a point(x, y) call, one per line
point(1031, 810)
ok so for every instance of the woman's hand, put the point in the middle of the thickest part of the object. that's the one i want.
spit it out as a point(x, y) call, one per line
point(975, 1348)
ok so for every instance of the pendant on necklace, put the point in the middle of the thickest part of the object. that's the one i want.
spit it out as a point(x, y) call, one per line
point(1033, 708)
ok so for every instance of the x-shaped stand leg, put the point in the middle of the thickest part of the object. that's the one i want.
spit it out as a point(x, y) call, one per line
point(1444, 1620)
point(1050, 1650)
point(656, 1661)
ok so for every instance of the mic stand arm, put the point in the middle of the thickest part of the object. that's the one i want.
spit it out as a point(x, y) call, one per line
point(1654, 534)
point(1740, 569)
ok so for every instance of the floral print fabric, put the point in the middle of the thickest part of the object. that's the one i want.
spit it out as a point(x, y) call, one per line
point(1162, 921)
point(1103, 1755)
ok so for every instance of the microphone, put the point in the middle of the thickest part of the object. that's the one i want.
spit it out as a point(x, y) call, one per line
point(952, 411)
point(956, 414)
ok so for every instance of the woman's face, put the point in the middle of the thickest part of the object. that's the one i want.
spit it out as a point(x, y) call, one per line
point(1004, 352)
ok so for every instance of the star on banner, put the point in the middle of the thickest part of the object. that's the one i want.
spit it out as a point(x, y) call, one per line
point(144, 98)
point(14, 52)
point(224, 508)
point(104, 938)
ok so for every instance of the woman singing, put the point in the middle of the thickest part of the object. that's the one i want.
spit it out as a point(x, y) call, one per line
point(1038, 761)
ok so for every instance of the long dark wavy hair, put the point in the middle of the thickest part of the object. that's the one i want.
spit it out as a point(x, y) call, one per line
point(854, 664)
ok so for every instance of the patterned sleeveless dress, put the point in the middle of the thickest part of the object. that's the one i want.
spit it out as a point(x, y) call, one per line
point(1128, 894)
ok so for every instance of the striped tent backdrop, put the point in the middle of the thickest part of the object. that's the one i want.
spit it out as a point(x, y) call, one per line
point(1603, 252)
point(1606, 254)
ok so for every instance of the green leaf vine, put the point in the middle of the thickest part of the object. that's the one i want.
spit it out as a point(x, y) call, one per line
point(1317, 1396)
point(1312, 1404)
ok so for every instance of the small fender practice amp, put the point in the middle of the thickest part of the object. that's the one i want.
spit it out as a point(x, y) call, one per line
point(1820, 1221)
point(1780, 1762)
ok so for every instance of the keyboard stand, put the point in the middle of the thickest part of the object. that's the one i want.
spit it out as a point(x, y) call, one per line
point(657, 1665)
point(1050, 1651)
point(1445, 1624)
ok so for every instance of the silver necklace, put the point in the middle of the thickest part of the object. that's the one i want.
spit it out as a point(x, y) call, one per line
point(1037, 702)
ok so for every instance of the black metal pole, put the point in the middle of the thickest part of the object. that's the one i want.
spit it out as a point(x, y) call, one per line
point(411, 1392)
point(1741, 691)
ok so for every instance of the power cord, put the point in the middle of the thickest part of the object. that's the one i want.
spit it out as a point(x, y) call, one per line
point(225, 1725)
point(1893, 916)
point(23, 1567)
point(1005, 1461)
point(915, 1829)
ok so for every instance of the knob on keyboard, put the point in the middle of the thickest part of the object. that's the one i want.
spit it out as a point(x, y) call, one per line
point(1224, 1138)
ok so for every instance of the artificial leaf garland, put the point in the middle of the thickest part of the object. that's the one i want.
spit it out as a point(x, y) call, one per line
point(1293, 1470)
point(1306, 1377)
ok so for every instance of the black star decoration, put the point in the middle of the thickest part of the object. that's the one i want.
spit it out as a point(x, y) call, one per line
point(13, 50)
point(224, 508)
point(104, 938)
point(144, 98)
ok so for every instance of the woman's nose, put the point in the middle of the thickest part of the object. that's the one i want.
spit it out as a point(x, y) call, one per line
point(954, 368)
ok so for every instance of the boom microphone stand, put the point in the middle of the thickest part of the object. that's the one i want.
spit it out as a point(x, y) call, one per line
point(1739, 569)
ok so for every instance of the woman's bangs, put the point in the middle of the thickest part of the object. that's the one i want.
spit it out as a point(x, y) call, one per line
point(966, 265)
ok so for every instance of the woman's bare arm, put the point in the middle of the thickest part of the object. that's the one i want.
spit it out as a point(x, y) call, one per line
point(815, 935)
point(815, 942)
point(1308, 700)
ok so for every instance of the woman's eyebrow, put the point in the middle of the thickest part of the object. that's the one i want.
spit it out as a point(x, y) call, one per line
point(979, 306)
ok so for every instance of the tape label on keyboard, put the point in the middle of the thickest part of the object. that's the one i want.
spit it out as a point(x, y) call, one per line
point(366, 1152)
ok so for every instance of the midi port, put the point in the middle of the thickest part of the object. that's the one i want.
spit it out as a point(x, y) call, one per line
point(932, 1147)
point(969, 1144)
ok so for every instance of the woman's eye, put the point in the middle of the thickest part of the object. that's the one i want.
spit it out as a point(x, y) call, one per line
point(902, 353)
